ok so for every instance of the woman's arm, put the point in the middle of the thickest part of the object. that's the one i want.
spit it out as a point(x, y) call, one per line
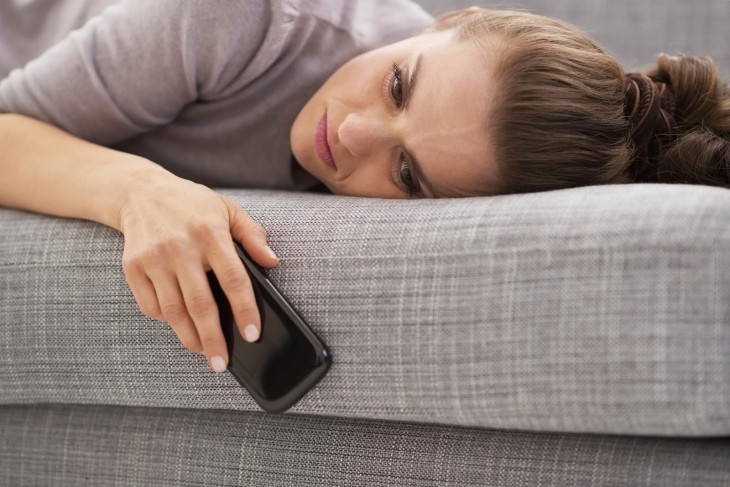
point(137, 65)
point(46, 170)
point(174, 229)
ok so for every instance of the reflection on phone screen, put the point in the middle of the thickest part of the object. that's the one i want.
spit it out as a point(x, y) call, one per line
point(283, 356)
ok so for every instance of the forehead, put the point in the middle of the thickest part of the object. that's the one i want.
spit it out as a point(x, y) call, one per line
point(449, 116)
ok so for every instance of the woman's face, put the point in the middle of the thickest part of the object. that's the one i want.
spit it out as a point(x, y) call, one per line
point(405, 120)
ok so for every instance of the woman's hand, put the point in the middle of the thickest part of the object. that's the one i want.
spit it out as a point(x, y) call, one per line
point(174, 232)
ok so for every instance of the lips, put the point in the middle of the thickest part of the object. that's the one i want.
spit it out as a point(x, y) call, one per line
point(321, 143)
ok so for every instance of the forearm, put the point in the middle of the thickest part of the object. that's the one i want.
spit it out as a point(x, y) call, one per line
point(175, 230)
point(46, 170)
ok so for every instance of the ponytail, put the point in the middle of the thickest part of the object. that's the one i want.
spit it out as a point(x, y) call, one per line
point(700, 153)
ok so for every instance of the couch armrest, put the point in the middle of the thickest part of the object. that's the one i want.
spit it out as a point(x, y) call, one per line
point(598, 309)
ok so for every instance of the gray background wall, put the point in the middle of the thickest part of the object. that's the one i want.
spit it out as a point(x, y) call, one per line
point(635, 31)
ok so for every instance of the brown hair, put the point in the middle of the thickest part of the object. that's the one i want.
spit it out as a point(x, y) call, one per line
point(559, 119)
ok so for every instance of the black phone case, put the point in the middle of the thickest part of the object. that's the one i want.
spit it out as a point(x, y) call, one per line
point(287, 360)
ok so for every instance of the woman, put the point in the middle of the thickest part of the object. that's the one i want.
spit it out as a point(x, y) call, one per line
point(156, 99)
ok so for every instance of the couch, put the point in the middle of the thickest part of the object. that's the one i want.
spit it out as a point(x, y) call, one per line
point(572, 337)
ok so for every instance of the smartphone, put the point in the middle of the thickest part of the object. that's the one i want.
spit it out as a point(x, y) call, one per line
point(287, 360)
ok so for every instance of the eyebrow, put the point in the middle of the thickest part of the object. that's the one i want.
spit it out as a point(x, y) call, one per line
point(411, 86)
point(413, 78)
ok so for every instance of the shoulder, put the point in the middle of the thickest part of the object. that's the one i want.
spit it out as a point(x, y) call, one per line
point(371, 23)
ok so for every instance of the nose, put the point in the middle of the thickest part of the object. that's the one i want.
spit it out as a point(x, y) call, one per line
point(361, 134)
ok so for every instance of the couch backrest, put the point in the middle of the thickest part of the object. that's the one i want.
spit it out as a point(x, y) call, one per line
point(635, 31)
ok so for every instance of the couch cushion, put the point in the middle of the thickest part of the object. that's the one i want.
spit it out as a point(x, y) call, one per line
point(92, 445)
point(596, 309)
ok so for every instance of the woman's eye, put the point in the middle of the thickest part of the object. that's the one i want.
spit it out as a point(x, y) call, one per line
point(406, 177)
point(396, 89)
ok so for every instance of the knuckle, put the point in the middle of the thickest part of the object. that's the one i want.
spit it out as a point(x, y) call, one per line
point(174, 313)
point(251, 225)
point(204, 230)
point(209, 342)
point(131, 264)
point(260, 230)
point(153, 254)
point(174, 246)
point(234, 279)
point(191, 344)
point(200, 304)
point(257, 229)
point(140, 261)
point(150, 311)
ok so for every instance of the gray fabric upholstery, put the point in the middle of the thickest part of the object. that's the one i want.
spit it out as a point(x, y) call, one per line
point(92, 445)
point(595, 310)
point(599, 309)
point(635, 31)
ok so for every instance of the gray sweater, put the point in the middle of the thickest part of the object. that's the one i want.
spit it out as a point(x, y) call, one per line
point(206, 88)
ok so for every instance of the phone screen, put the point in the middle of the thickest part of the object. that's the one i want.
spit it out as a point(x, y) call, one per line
point(286, 361)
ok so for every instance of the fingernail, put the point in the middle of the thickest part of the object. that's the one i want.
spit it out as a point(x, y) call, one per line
point(218, 364)
point(251, 333)
point(271, 253)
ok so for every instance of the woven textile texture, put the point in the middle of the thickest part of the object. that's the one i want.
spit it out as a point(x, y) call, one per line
point(633, 31)
point(94, 445)
point(578, 312)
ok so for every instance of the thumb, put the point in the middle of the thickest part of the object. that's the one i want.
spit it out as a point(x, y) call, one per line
point(250, 234)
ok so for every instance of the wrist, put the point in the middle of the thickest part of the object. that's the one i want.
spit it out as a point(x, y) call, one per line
point(138, 175)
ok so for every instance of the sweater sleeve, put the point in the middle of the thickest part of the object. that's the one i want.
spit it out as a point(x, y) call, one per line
point(135, 66)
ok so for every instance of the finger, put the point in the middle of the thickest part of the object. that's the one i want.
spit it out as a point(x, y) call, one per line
point(174, 311)
point(236, 284)
point(143, 290)
point(251, 235)
point(203, 310)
